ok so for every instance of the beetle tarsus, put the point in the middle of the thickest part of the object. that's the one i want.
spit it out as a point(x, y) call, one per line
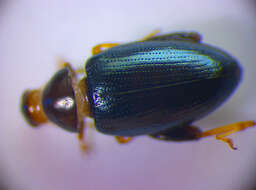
point(223, 131)
point(83, 146)
point(101, 47)
point(151, 35)
point(226, 140)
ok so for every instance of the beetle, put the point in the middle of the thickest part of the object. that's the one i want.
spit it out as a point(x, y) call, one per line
point(157, 86)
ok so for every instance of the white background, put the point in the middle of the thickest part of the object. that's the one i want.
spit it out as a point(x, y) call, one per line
point(33, 34)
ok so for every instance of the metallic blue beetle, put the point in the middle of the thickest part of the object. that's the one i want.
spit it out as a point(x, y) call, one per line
point(157, 86)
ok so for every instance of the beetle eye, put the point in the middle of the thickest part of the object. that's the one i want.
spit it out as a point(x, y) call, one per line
point(58, 100)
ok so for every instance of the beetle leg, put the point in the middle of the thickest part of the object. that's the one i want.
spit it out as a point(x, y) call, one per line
point(180, 36)
point(80, 136)
point(63, 64)
point(123, 140)
point(80, 70)
point(85, 146)
point(178, 133)
point(101, 47)
point(151, 35)
point(221, 132)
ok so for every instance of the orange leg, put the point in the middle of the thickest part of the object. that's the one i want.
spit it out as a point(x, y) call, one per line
point(223, 131)
point(63, 64)
point(152, 34)
point(99, 48)
point(82, 144)
point(123, 140)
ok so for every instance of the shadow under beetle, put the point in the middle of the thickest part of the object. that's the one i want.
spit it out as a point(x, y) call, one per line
point(157, 86)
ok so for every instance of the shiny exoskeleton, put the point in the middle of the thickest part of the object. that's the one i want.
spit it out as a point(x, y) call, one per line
point(146, 87)
point(157, 86)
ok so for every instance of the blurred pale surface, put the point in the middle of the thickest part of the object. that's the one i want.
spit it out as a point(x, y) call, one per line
point(33, 34)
